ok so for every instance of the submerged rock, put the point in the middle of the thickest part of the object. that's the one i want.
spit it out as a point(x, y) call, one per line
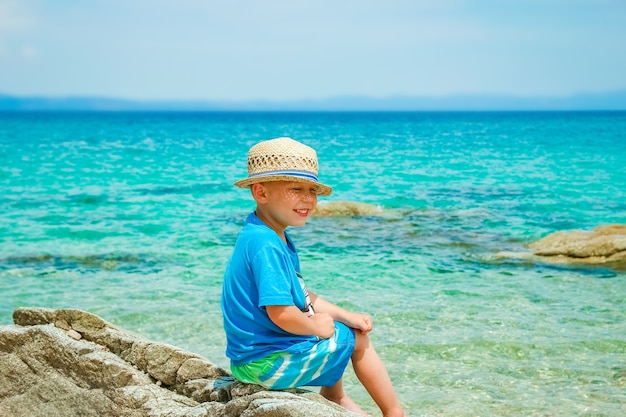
point(603, 245)
point(346, 208)
point(73, 363)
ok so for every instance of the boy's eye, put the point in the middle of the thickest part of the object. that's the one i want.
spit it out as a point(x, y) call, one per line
point(300, 191)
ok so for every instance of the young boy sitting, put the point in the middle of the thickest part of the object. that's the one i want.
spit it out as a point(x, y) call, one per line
point(279, 335)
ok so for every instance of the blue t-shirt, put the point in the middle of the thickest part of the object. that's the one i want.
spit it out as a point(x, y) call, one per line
point(262, 271)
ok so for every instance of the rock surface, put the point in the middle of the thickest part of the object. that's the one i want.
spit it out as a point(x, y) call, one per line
point(603, 245)
point(346, 208)
point(73, 363)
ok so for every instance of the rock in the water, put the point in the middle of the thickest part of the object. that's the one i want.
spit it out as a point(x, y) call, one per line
point(46, 371)
point(346, 208)
point(602, 245)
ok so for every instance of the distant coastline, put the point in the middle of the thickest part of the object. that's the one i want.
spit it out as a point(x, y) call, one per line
point(615, 100)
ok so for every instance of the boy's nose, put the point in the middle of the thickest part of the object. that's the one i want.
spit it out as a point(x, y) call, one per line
point(308, 196)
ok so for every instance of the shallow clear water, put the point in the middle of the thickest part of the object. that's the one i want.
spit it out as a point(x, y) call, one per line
point(132, 216)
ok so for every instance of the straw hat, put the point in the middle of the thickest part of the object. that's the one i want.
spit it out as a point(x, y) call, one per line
point(283, 159)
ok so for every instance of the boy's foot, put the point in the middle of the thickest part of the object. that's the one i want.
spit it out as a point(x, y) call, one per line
point(347, 403)
point(399, 413)
point(351, 405)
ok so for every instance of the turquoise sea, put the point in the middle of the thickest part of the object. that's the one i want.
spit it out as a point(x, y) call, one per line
point(132, 216)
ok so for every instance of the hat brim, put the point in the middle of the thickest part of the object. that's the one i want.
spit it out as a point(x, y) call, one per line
point(323, 189)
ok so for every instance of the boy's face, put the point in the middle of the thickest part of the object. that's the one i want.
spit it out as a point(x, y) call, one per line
point(285, 203)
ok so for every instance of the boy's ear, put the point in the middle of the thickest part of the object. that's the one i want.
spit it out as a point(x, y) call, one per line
point(259, 192)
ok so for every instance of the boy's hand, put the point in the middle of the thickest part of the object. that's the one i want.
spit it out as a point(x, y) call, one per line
point(325, 325)
point(358, 321)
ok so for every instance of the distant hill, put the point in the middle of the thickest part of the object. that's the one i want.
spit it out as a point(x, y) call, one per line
point(590, 101)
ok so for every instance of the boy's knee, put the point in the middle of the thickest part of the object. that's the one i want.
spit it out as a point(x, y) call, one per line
point(362, 342)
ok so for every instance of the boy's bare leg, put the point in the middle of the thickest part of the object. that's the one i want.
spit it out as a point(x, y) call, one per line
point(370, 370)
point(337, 395)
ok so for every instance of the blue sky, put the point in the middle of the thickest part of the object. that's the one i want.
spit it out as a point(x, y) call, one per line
point(308, 49)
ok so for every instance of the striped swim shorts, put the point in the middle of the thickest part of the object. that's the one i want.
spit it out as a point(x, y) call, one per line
point(314, 364)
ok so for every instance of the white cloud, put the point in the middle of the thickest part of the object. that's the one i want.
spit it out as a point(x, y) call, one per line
point(13, 18)
point(15, 22)
point(29, 52)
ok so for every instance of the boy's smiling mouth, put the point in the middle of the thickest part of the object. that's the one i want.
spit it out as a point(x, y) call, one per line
point(302, 212)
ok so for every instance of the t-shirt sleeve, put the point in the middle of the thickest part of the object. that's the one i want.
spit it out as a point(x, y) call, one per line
point(273, 275)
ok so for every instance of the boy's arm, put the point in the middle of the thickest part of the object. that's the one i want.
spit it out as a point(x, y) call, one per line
point(358, 321)
point(292, 320)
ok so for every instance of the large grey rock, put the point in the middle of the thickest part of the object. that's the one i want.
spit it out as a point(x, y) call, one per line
point(73, 363)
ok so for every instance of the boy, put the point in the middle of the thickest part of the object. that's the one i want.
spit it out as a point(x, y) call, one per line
point(279, 335)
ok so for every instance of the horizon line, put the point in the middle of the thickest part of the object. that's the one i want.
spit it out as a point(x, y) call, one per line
point(610, 100)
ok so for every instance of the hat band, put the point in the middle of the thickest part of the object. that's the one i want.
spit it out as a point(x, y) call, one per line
point(299, 174)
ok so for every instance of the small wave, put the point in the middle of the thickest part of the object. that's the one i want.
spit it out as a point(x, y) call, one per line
point(90, 195)
point(206, 188)
point(88, 199)
point(101, 261)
